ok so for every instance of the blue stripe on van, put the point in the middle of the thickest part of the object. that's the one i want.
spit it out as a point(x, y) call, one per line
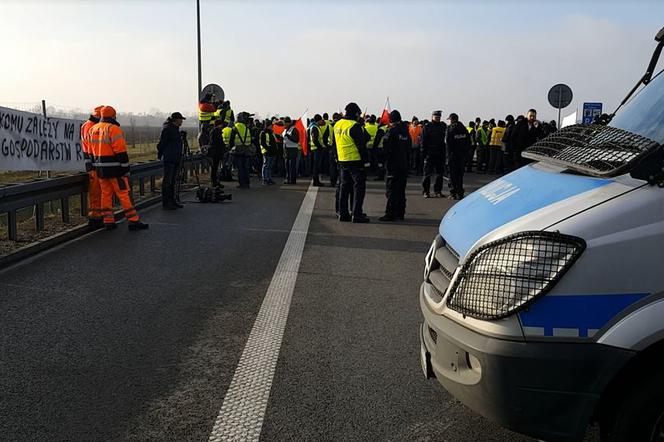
point(581, 312)
point(506, 199)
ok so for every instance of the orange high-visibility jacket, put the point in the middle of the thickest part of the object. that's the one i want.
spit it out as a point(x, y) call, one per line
point(109, 151)
point(85, 144)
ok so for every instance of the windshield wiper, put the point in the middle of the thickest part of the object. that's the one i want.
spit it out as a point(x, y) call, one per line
point(659, 38)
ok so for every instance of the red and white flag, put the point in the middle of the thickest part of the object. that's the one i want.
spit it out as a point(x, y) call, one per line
point(385, 116)
point(300, 125)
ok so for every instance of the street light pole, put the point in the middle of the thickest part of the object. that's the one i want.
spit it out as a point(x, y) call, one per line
point(198, 30)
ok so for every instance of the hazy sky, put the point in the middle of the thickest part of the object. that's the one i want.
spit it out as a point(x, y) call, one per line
point(485, 58)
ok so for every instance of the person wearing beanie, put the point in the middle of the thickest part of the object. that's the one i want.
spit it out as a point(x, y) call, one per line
point(396, 147)
point(111, 162)
point(433, 150)
point(458, 144)
point(353, 159)
point(95, 220)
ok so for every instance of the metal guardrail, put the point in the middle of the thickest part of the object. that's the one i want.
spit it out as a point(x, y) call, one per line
point(14, 197)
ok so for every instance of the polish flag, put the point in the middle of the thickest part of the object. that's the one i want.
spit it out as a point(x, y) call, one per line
point(385, 116)
point(300, 125)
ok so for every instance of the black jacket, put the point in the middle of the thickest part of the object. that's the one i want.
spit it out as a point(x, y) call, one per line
point(458, 141)
point(396, 147)
point(524, 135)
point(507, 137)
point(170, 143)
point(217, 145)
point(433, 138)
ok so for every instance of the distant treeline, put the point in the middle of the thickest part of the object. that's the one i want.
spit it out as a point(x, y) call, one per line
point(139, 128)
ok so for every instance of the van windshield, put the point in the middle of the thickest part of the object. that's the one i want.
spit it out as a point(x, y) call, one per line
point(608, 151)
point(644, 113)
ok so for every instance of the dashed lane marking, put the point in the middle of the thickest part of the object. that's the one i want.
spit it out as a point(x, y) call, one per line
point(241, 415)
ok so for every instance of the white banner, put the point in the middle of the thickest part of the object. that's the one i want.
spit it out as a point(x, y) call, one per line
point(32, 142)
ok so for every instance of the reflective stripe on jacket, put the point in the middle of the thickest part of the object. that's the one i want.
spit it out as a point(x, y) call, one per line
point(109, 150)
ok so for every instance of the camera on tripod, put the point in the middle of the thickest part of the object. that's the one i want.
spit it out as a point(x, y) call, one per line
point(204, 194)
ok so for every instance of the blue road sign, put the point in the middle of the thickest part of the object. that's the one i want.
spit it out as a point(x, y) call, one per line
point(590, 111)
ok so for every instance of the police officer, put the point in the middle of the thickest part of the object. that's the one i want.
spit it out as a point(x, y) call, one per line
point(433, 150)
point(396, 147)
point(458, 144)
point(353, 159)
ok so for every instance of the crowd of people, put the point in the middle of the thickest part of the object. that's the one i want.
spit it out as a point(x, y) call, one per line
point(346, 148)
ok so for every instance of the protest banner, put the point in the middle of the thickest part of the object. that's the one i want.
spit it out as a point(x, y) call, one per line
point(33, 142)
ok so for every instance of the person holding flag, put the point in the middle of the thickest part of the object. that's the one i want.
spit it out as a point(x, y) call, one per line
point(353, 159)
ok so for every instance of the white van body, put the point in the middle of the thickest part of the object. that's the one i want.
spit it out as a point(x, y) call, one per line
point(580, 334)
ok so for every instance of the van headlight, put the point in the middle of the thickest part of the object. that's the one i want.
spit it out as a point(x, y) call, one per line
point(429, 259)
point(504, 276)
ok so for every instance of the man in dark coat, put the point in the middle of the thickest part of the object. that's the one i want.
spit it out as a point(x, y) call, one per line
point(526, 133)
point(396, 149)
point(433, 150)
point(458, 144)
point(169, 149)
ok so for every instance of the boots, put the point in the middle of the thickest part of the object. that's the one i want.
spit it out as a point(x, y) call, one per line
point(137, 225)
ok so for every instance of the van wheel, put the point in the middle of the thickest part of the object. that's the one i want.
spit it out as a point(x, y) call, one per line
point(637, 414)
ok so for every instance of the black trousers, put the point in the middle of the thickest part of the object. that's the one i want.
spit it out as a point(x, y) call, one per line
point(353, 181)
point(315, 165)
point(470, 156)
point(457, 167)
point(395, 191)
point(495, 160)
point(433, 163)
point(168, 183)
point(214, 170)
point(334, 168)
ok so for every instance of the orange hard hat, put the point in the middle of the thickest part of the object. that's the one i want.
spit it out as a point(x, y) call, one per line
point(97, 111)
point(107, 112)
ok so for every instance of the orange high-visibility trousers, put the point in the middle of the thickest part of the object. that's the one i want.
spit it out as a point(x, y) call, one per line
point(94, 196)
point(119, 187)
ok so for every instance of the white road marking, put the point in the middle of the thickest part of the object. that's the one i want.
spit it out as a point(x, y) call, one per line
point(242, 413)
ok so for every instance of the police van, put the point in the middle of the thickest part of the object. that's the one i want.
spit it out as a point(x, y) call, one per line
point(543, 293)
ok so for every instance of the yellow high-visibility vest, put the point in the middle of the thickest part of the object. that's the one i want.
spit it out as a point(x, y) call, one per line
point(497, 136)
point(371, 129)
point(226, 135)
point(346, 148)
point(243, 137)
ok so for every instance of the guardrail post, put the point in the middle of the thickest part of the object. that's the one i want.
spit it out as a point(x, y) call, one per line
point(64, 205)
point(153, 183)
point(12, 225)
point(141, 186)
point(84, 204)
point(39, 217)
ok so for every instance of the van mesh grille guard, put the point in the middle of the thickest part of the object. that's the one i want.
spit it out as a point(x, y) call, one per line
point(596, 150)
point(505, 276)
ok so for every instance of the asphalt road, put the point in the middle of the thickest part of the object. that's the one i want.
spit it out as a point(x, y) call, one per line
point(136, 335)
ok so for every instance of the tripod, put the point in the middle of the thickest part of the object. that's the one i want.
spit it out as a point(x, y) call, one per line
point(180, 174)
